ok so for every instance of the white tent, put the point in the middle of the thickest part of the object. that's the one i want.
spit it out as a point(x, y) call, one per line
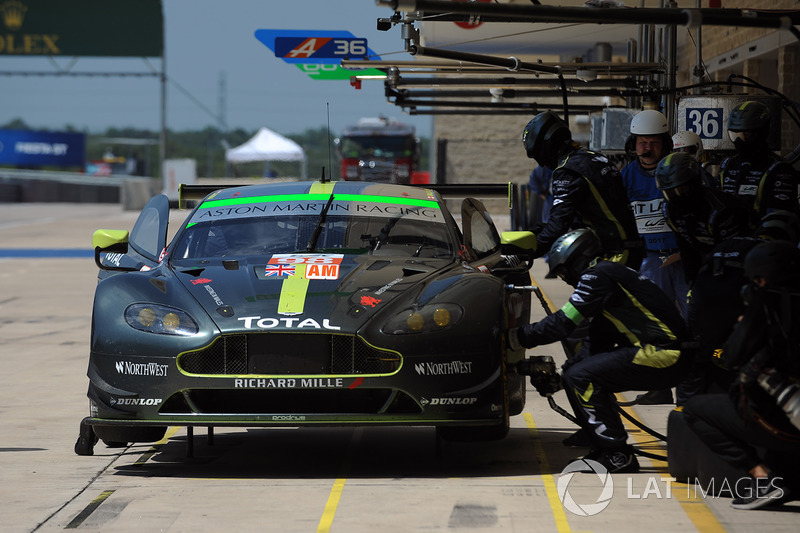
point(266, 145)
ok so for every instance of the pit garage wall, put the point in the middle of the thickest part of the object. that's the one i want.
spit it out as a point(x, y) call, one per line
point(769, 57)
point(488, 149)
point(482, 148)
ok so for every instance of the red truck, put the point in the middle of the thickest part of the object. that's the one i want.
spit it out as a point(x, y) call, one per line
point(379, 149)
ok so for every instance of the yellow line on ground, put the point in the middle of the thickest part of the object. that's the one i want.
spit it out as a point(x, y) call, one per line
point(154, 448)
point(559, 515)
point(89, 509)
point(701, 516)
point(330, 508)
point(332, 504)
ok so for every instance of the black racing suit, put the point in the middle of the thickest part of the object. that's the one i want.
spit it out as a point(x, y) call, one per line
point(702, 220)
point(765, 182)
point(635, 342)
point(746, 426)
point(588, 188)
point(715, 305)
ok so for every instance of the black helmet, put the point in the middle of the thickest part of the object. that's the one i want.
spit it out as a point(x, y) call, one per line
point(749, 116)
point(778, 262)
point(677, 169)
point(779, 225)
point(748, 127)
point(543, 136)
point(572, 253)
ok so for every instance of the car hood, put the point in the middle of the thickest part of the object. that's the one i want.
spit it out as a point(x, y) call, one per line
point(325, 292)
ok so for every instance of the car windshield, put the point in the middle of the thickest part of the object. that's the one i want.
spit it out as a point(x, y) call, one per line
point(238, 237)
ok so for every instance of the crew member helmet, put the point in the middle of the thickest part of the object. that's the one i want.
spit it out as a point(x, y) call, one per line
point(689, 142)
point(749, 116)
point(649, 123)
point(572, 253)
point(678, 169)
point(543, 137)
point(778, 262)
point(748, 125)
point(779, 225)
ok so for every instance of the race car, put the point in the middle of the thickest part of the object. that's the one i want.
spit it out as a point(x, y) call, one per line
point(306, 304)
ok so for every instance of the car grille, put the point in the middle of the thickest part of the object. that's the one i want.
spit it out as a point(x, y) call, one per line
point(289, 353)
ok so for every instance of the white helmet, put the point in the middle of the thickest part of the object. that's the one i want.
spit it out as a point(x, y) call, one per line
point(649, 122)
point(689, 141)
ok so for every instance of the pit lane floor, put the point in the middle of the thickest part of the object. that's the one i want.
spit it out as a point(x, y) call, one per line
point(288, 480)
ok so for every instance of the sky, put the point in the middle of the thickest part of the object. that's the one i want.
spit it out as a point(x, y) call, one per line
point(208, 44)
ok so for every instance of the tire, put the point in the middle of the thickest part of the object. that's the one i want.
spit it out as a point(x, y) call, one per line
point(517, 397)
point(473, 433)
point(86, 440)
point(125, 434)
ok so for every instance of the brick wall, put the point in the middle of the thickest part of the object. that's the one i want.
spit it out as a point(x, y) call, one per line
point(489, 148)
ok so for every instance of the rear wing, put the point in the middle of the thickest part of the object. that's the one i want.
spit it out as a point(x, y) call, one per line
point(478, 190)
point(187, 193)
point(447, 190)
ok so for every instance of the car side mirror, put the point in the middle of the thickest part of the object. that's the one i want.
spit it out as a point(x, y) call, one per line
point(110, 241)
point(519, 243)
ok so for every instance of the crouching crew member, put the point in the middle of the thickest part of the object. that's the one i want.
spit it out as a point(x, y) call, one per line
point(756, 427)
point(634, 341)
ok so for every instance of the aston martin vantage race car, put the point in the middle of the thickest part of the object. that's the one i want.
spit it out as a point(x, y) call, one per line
point(306, 303)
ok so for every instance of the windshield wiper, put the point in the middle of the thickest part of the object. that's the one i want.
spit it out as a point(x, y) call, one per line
point(384, 234)
point(312, 242)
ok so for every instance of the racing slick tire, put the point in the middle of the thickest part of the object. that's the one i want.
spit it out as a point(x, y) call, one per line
point(517, 398)
point(86, 440)
point(114, 436)
point(691, 461)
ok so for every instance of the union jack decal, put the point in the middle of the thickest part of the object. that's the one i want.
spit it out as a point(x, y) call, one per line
point(279, 270)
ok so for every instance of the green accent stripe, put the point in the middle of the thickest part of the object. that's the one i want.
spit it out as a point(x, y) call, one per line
point(293, 292)
point(572, 313)
point(604, 207)
point(363, 198)
point(650, 316)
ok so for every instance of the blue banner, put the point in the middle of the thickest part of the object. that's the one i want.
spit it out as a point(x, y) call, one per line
point(340, 44)
point(42, 148)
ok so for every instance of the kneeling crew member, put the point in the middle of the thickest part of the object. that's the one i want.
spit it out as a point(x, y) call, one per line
point(634, 341)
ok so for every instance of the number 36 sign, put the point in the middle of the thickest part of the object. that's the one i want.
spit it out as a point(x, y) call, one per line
point(707, 116)
point(705, 121)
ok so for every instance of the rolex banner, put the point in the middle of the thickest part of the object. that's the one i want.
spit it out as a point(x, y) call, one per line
point(102, 28)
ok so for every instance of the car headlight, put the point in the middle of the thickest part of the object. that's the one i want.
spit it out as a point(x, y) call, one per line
point(423, 319)
point(161, 319)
